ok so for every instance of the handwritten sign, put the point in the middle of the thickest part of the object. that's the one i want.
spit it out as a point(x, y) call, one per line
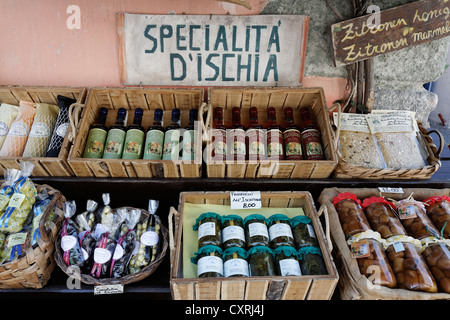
point(398, 28)
point(245, 200)
point(212, 50)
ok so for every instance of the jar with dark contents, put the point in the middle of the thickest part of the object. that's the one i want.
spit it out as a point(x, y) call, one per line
point(208, 226)
point(438, 209)
point(437, 258)
point(350, 213)
point(311, 261)
point(280, 233)
point(233, 234)
point(209, 262)
point(286, 261)
point(235, 262)
point(256, 233)
point(261, 261)
point(303, 232)
point(382, 217)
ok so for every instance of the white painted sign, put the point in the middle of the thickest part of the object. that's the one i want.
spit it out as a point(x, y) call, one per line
point(212, 50)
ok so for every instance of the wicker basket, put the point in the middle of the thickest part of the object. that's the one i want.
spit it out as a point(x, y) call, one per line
point(130, 278)
point(33, 268)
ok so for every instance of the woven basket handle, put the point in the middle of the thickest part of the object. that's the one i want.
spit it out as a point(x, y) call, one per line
point(441, 142)
point(56, 203)
point(75, 111)
point(323, 210)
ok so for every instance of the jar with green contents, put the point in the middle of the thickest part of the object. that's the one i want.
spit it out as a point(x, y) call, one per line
point(209, 262)
point(286, 261)
point(209, 229)
point(280, 232)
point(303, 231)
point(233, 234)
point(235, 262)
point(256, 233)
point(261, 261)
point(311, 261)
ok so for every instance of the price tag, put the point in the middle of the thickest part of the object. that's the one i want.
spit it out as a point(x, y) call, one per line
point(108, 289)
point(245, 199)
point(390, 190)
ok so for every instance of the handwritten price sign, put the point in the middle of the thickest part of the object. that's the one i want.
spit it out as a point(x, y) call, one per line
point(245, 199)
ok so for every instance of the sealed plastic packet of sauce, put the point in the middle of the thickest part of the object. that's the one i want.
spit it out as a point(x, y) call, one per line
point(72, 254)
point(61, 126)
point(17, 136)
point(209, 229)
point(41, 130)
point(382, 217)
point(350, 213)
point(438, 209)
point(8, 114)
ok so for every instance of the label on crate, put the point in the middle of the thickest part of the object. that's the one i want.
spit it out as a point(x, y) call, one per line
point(245, 199)
point(292, 144)
point(390, 190)
point(109, 289)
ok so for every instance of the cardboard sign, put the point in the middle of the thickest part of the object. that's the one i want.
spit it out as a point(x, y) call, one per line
point(212, 50)
point(398, 28)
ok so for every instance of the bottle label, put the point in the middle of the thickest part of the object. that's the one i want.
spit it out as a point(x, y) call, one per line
point(256, 149)
point(311, 141)
point(153, 145)
point(236, 141)
point(219, 144)
point(257, 229)
point(171, 145)
point(293, 144)
point(290, 267)
point(234, 267)
point(188, 145)
point(95, 143)
point(114, 144)
point(274, 144)
point(209, 264)
point(233, 232)
point(133, 144)
point(280, 230)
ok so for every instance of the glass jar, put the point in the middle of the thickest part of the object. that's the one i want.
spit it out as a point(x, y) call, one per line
point(438, 209)
point(209, 229)
point(436, 254)
point(280, 233)
point(260, 259)
point(256, 233)
point(350, 213)
point(303, 232)
point(311, 261)
point(382, 217)
point(209, 262)
point(235, 262)
point(286, 261)
point(233, 234)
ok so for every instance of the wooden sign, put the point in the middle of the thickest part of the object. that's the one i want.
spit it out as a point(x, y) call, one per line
point(212, 50)
point(398, 28)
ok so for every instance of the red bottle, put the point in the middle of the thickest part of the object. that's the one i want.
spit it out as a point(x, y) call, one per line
point(219, 137)
point(236, 137)
point(255, 139)
point(310, 136)
point(274, 136)
point(291, 137)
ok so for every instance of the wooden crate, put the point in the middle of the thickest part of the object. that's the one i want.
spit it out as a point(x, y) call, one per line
point(43, 166)
point(318, 287)
point(262, 98)
point(131, 98)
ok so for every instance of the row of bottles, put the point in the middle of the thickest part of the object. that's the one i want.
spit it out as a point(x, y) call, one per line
point(122, 142)
point(276, 143)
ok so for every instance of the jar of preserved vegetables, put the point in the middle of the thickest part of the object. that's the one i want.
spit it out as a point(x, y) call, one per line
point(303, 231)
point(209, 261)
point(260, 259)
point(280, 232)
point(235, 262)
point(256, 233)
point(208, 226)
point(233, 234)
point(311, 261)
point(286, 261)
point(438, 209)
point(350, 213)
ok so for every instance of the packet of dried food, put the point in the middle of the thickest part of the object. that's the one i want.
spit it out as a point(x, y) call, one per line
point(43, 200)
point(8, 114)
point(72, 255)
point(86, 241)
point(61, 125)
point(357, 145)
point(104, 215)
point(16, 244)
point(89, 216)
point(7, 188)
point(131, 220)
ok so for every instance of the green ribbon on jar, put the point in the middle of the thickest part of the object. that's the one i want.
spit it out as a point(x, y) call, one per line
point(255, 216)
point(300, 219)
point(260, 249)
point(232, 217)
point(287, 251)
point(308, 250)
point(238, 250)
point(277, 217)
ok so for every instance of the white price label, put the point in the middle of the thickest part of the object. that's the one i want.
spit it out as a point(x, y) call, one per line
point(245, 199)
point(108, 289)
point(390, 190)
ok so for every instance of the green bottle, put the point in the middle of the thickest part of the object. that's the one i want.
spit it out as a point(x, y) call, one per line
point(116, 137)
point(155, 137)
point(171, 148)
point(134, 139)
point(97, 137)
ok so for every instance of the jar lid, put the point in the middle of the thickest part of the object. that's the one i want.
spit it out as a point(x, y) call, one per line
point(368, 201)
point(206, 250)
point(286, 250)
point(308, 250)
point(254, 216)
point(277, 217)
point(206, 215)
point(240, 251)
point(260, 249)
point(346, 196)
point(300, 219)
point(432, 200)
point(232, 217)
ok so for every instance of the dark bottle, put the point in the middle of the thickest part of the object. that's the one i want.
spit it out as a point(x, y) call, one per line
point(134, 139)
point(310, 136)
point(236, 137)
point(219, 136)
point(189, 137)
point(171, 148)
point(274, 136)
point(292, 139)
point(255, 137)
point(97, 136)
point(116, 136)
point(155, 137)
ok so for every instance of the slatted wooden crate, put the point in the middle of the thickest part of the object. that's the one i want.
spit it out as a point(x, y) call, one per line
point(317, 287)
point(131, 98)
point(43, 166)
point(262, 98)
